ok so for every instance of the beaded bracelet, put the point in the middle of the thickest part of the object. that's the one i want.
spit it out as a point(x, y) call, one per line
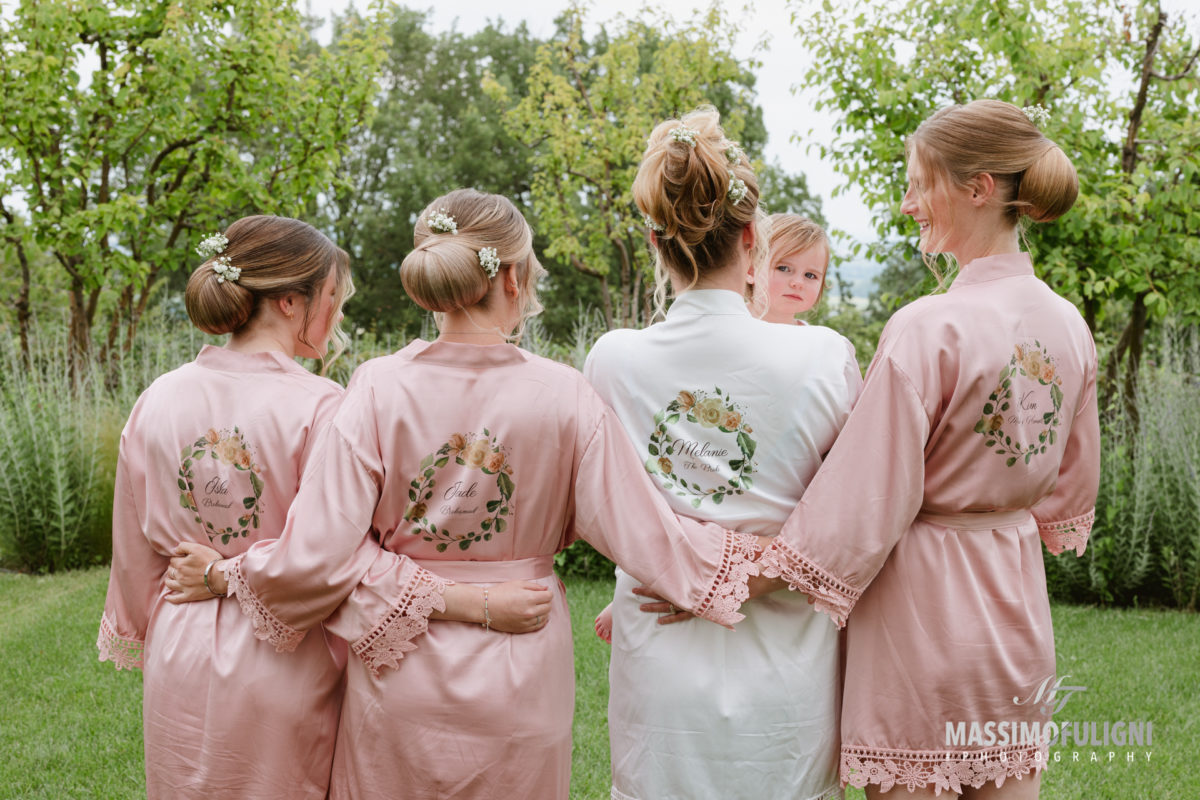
point(487, 618)
point(208, 585)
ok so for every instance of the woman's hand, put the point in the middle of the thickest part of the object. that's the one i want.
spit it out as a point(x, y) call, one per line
point(511, 607)
point(661, 606)
point(518, 606)
point(185, 576)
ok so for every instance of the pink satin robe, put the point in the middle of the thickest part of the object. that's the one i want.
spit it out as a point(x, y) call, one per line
point(475, 464)
point(212, 453)
point(978, 409)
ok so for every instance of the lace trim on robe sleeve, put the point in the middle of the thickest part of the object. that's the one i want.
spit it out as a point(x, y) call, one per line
point(1071, 534)
point(729, 590)
point(125, 653)
point(267, 626)
point(827, 594)
point(386, 643)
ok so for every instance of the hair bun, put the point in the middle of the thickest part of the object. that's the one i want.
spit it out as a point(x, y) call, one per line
point(1049, 186)
point(216, 306)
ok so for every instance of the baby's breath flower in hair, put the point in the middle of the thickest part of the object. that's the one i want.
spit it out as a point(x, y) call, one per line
point(651, 224)
point(441, 222)
point(489, 261)
point(225, 270)
point(1038, 114)
point(737, 188)
point(734, 153)
point(683, 133)
point(211, 245)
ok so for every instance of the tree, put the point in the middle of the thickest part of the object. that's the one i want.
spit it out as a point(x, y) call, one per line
point(435, 130)
point(588, 110)
point(132, 128)
point(1122, 89)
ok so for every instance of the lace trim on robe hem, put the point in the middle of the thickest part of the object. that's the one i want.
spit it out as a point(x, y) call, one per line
point(729, 590)
point(386, 643)
point(125, 653)
point(267, 626)
point(1070, 534)
point(827, 594)
point(945, 770)
point(832, 793)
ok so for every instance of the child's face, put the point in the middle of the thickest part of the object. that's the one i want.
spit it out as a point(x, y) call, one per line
point(795, 282)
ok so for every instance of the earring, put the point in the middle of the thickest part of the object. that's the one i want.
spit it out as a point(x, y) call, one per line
point(291, 315)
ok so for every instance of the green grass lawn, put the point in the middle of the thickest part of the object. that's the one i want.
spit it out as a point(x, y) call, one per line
point(70, 726)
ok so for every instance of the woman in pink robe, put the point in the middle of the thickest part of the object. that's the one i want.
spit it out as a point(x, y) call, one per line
point(212, 453)
point(467, 460)
point(975, 434)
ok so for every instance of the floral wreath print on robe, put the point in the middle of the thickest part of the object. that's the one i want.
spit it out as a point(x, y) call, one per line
point(709, 410)
point(228, 447)
point(1034, 362)
point(483, 453)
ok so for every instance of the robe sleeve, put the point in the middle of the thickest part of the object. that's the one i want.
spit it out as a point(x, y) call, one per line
point(862, 500)
point(1065, 517)
point(135, 579)
point(328, 554)
point(697, 566)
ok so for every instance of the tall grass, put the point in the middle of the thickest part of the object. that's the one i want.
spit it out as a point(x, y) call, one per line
point(1145, 545)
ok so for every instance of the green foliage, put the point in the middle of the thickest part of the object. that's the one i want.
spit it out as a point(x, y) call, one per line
point(1121, 85)
point(1145, 546)
point(588, 109)
point(434, 130)
point(132, 128)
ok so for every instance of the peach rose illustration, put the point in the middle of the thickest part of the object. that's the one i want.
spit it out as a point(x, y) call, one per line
point(494, 462)
point(228, 450)
point(212, 437)
point(457, 443)
point(1048, 373)
point(477, 453)
point(709, 411)
point(665, 465)
point(416, 511)
point(748, 429)
point(685, 400)
point(731, 420)
point(243, 460)
point(1020, 353)
point(1033, 363)
point(996, 423)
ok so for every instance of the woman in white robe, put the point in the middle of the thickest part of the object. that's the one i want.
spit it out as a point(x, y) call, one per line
point(731, 415)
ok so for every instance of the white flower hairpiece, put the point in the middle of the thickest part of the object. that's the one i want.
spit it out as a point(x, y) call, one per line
point(225, 271)
point(737, 189)
point(734, 153)
point(489, 261)
point(1038, 114)
point(651, 224)
point(211, 245)
point(683, 133)
point(441, 222)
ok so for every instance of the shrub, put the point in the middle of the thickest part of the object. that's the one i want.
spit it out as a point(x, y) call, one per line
point(1145, 545)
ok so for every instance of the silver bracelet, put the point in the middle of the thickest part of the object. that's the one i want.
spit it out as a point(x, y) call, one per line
point(208, 585)
point(487, 618)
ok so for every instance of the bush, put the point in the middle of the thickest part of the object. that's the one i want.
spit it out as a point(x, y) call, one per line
point(1145, 545)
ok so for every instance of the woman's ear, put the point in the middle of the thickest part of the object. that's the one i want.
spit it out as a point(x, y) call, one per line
point(749, 235)
point(510, 280)
point(983, 186)
point(289, 304)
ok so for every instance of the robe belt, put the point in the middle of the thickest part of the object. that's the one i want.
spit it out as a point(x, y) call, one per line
point(977, 520)
point(524, 569)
